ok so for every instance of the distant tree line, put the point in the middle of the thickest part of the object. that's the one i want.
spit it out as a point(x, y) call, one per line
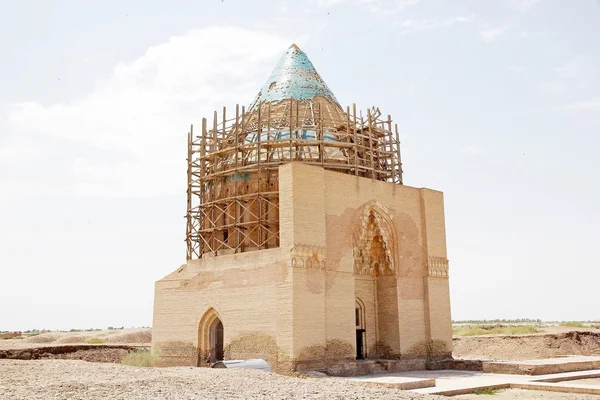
point(498, 321)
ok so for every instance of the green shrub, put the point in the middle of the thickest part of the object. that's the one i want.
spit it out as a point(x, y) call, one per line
point(488, 391)
point(572, 324)
point(140, 358)
point(94, 340)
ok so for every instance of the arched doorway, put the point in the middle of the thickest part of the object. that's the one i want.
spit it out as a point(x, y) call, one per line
point(376, 283)
point(361, 342)
point(210, 338)
point(216, 341)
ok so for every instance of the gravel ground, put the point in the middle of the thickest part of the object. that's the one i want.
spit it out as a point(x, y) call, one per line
point(70, 379)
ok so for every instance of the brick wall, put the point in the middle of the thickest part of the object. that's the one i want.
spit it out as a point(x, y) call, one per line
point(295, 305)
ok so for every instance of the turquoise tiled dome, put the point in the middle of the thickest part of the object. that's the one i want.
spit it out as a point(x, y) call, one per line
point(294, 77)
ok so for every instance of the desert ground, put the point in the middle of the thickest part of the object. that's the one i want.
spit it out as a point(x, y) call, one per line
point(92, 368)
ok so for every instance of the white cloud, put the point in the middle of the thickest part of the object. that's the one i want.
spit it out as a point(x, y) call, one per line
point(375, 6)
point(517, 68)
point(386, 7)
point(572, 69)
point(409, 26)
point(18, 151)
point(554, 87)
point(572, 74)
point(524, 6)
point(471, 150)
point(523, 34)
point(328, 3)
point(283, 8)
point(491, 34)
point(144, 109)
point(592, 104)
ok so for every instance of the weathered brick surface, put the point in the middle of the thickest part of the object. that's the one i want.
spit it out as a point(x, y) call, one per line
point(294, 305)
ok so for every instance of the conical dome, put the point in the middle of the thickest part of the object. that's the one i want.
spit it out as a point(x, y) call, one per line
point(294, 77)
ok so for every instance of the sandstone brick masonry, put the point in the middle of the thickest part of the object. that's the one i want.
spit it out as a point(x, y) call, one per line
point(359, 261)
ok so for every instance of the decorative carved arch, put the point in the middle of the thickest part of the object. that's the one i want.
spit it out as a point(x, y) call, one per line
point(375, 222)
point(308, 256)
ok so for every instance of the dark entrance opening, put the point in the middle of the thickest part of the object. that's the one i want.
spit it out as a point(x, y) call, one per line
point(219, 344)
point(216, 341)
point(360, 351)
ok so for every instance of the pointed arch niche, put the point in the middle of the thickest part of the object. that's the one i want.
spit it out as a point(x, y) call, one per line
point(210, 338)
point(375, 266)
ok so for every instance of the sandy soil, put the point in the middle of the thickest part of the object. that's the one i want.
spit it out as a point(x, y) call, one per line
point(555, 328)
point(518, 394)
point(61, 379)
point(113, 336)
point(545, 328)
point(527, 347)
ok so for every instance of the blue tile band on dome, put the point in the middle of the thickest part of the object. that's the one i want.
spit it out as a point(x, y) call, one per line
point(294, 77)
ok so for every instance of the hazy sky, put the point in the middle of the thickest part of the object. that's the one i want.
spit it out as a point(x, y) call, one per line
point(498, 104)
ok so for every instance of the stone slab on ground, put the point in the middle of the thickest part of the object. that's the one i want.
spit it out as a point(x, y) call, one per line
point(520, 394)
point(450, 384)
point(453, 382)
point(395, 381)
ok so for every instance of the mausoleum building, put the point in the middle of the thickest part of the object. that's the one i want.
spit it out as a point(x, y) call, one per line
point(304, 247)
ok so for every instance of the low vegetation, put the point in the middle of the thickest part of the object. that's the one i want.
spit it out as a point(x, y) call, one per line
point(572, 324)
point(34, 332)
point(495, 330)
point(488, 391)
point(140, 358)
point(94, 340)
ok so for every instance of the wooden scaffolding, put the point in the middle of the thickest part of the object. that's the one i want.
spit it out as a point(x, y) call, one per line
point(233, 185)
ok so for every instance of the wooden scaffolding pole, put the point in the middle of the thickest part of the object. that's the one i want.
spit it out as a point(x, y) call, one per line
point(203, 197)
point(355, 139)
point(212, 186)
point(371, 135)
point(188, 215)
point(242, 243)
point(399, 159)
point(291, 126)
point(392, 158)
point(236, 212)
point(258, 176)
point(320, 138)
